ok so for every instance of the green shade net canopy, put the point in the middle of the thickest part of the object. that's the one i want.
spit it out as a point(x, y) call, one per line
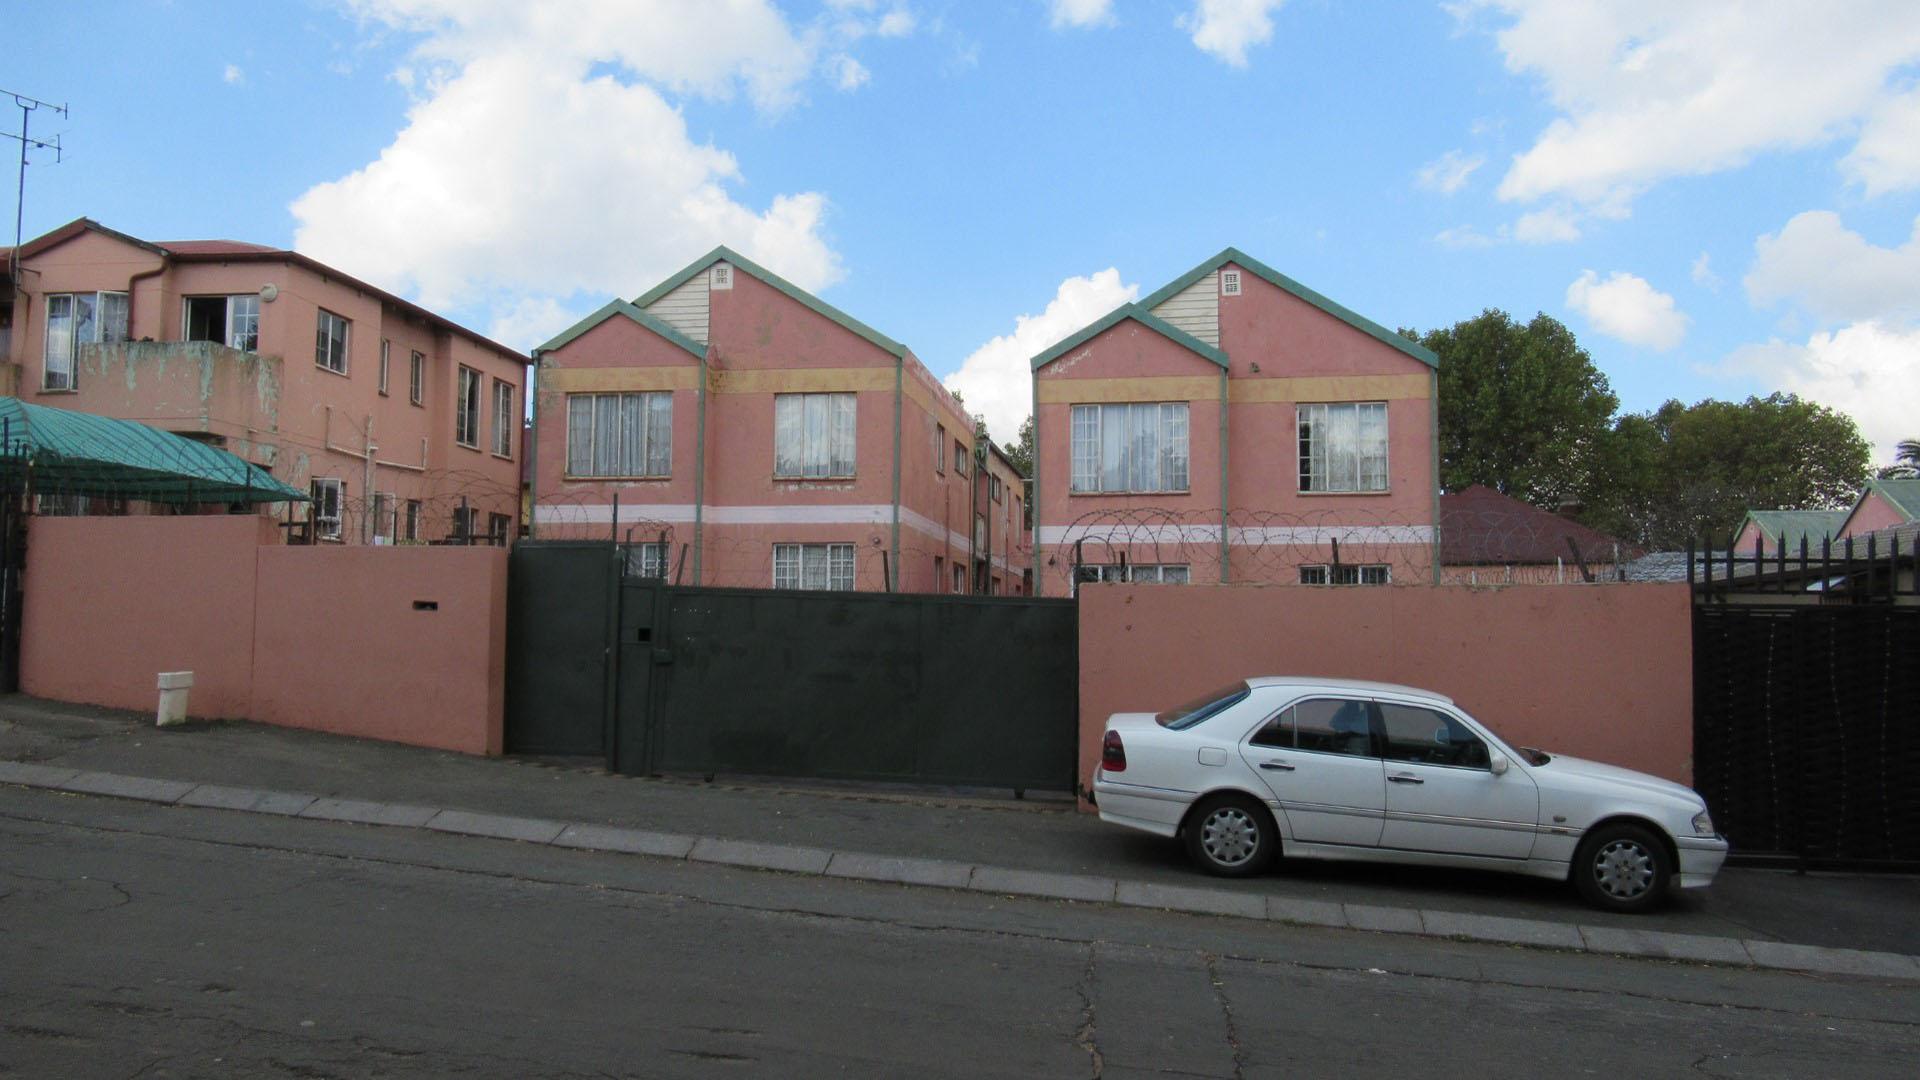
point(71, 453)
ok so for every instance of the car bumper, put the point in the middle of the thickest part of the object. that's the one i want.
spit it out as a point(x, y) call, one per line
point(1154, 810)
point(1700, 859)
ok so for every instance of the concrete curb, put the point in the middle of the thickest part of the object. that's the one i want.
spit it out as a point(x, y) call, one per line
point(1193, 900)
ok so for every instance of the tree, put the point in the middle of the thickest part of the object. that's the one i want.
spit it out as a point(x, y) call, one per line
point(1021, 452)
point(1906, 461)
point(1690, 472)
point(1522, 408)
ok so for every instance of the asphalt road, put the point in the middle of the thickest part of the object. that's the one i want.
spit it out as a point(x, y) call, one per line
point(148, 941)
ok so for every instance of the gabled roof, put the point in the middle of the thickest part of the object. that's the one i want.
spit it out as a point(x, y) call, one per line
point(1481, 527)
point(1789, 526)
point(76, 453)
point(1286, 284)
point(621, 307)
point(1904, 495)
point(768, 277)
point(1138, 313)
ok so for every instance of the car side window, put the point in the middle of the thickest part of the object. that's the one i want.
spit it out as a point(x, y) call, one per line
point(1277, 733)
point(1332, 726)
point(1427, 737)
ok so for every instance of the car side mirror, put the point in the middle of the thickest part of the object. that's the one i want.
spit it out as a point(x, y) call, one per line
point(1498, 763)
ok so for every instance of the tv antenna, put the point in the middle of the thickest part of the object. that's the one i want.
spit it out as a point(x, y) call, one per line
point(27, 142)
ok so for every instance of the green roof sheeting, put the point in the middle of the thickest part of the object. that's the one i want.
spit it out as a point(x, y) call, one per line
point(1903, 494)
point(1788, 526)
point(75, 453)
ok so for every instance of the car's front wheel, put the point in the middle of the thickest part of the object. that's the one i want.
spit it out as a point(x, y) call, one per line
point(1622, 868)
point(1232, 836)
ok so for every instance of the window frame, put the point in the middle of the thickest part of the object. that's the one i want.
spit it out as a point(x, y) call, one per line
point(98, 332)
point(796, 567)
point(230, 320)
point(1360, 572)
point(647, 413)
point(324, 341)
point(503, 419)
point(338, 485)
point(1386, 744)
point(466, 407)
point(412, 519)
point(417, 378)
point(1373, 741)
point(386, 365)
point(1306, 430)
point(940, 449)
point(1088, 450)
point(837, 422)
point(959, 459)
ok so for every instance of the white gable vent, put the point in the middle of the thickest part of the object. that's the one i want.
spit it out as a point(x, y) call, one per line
point(722, 276)
point(1229, 283)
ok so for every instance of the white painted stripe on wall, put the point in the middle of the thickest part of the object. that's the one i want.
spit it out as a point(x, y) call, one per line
point(1053, 535)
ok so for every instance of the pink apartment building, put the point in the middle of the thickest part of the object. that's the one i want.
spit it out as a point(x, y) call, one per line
point(396, 420)
point(772, 440)
point(1235, 426)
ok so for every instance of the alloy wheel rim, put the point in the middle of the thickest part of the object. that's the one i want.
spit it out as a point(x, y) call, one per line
point(1229, 836)
point(1623, 869)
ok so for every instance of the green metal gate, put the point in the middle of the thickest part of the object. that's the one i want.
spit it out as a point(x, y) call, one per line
point(963, 690)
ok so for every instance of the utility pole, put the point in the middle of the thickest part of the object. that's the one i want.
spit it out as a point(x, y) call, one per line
point(27, 142)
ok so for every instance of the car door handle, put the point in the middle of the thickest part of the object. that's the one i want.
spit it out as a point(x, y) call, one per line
point(1276, 766)
point(1405, 779)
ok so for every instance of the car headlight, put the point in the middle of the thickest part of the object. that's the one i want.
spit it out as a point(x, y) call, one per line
point(1703, 824)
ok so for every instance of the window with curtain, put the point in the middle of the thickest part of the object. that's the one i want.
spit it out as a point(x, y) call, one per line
point(813, 566)
point(1343, 447)
point(620, 434)
point(504, 420)
point(466, 416)
point(1139, 447)
point(813, 436)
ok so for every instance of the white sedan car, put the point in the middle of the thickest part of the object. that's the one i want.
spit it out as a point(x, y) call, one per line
point(1338, 769)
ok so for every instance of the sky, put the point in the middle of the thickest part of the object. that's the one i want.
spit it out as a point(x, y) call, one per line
point(1720, 200)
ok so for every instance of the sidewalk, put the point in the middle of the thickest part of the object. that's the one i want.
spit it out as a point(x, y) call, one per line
point(1850, 924)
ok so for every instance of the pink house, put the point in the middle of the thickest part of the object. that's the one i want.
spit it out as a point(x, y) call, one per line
point(1235, 426)
point(1884, 504)
point(401, 425)
point(739, 431)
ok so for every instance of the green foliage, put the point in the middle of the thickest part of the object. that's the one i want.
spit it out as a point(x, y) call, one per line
point(1692, 471)
point(1906, 462)
point(1522, 408)
point(1021, 453)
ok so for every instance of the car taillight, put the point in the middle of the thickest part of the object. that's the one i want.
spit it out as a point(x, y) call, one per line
point(1113, 753)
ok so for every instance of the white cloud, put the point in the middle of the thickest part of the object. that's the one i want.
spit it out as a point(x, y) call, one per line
point(1887, 157)
point(1867, 370)
point(520, 181)
point(1624, 306)
point(1082, 13)
point(896, 23)
point(1703, 274)
point(1649, 90)
point(1819, 264)
point(1447, 173)
point(1228, 28)
point(852, 73)
point(1555, 225)
point(233, 76)
point(997, 378)
point(1466, 236)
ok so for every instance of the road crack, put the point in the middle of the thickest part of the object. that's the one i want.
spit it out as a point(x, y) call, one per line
point(1087, 1037)
point(1226, 1012)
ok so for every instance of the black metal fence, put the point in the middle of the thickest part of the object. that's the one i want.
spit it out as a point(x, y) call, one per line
point(1807, 730)
point(1874, 568)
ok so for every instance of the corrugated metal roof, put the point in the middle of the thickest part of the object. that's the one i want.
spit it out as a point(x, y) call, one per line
point(74, 453)
point(1789, 526)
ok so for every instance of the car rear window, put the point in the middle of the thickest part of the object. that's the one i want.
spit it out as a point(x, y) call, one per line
point(1182, 717)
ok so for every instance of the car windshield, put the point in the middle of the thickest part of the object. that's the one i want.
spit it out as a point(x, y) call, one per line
point(1181, 717)
point(1527, 753)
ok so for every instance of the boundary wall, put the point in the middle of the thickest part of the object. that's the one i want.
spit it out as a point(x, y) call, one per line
point(1595, 671)
point(405, 644)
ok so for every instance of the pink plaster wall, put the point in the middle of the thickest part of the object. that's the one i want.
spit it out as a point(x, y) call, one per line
point(384, 669)
point(110, 602)
point(276, 406)
point(1602, 672)
point(324, 638)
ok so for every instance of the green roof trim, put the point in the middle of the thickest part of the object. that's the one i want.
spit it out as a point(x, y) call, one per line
point(74, 453)
point(1139, 314)
point(1788, 526)
point(621, 307)
point(1286, 284)
point(768, 277)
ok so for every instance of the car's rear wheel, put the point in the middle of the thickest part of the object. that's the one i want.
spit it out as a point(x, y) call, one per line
point(1232, 836)
point(1623, 868)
